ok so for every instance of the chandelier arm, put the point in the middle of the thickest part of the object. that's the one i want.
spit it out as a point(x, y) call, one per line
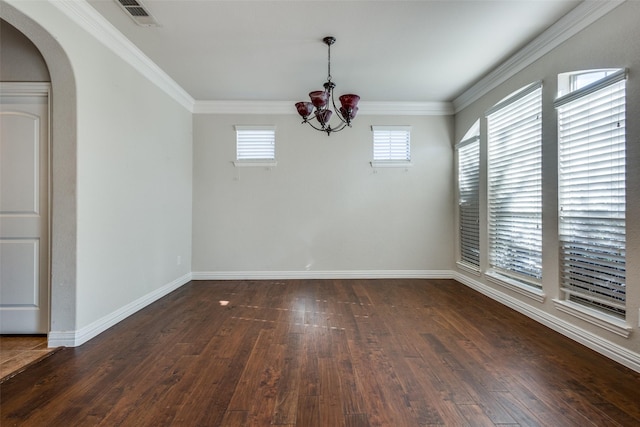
point(311, 124)
point(328, 129)
point(342, 126)
point(337, 110)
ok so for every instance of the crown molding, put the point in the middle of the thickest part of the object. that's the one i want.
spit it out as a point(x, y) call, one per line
point(287, 107)
point(91, 21)
point(406, 108)
point(573, 22)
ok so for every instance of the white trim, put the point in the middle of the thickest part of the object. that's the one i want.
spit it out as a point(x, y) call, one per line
point(467, 141)
point(573, 22)
point(516, 286)
point(406, 128)
point(391, 164)
point(25, 88)
point(603, 346)
point(469, 268)
point(325, 274)
point(514, 97)
point(288, 108)
point(255, 163)
point(254, 127)
point(611, 324)
point(434, 108)
point(83, 14)
point(61, 339)
point(80, 336)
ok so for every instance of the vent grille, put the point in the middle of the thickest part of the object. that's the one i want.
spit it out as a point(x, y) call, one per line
point(138, 12)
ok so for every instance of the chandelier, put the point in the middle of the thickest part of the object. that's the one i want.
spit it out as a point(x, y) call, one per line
point(323, 100)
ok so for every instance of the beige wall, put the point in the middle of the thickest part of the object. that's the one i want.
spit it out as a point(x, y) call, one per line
point(322, 208)
point(611, 42)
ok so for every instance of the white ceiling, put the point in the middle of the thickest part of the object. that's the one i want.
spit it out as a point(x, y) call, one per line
point(386, 50)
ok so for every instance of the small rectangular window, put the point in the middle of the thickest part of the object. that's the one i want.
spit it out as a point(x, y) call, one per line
point(255, 144)
point(391, 145)
point(580, 80)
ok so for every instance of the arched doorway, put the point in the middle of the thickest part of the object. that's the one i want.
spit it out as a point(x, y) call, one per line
point(63, 174)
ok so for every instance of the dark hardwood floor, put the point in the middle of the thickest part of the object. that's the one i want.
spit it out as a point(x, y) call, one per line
point(324, 353)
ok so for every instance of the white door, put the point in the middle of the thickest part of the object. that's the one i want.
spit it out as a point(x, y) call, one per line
point(24, 222)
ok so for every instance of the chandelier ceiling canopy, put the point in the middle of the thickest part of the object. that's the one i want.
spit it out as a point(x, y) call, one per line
point(319, 108)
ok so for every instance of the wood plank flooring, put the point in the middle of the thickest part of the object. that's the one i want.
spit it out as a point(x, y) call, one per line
point(325, 353)
point(19, 351)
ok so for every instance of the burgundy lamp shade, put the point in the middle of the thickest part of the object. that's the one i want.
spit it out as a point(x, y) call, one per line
point(319, 98)
point(349, 101)
point(304, 109)
point(349, 113)
point(324, 116)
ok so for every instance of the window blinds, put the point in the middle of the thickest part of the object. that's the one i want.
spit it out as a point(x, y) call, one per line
point(515, 186)
point(255, 142)
point(391, 143)
point(468, 200)
point(591, 131)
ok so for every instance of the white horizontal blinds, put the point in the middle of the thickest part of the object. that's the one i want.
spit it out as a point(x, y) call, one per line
point(468, 200)
point(392, 143)
point(255, 142)
point(515, 186)
point(591, 131)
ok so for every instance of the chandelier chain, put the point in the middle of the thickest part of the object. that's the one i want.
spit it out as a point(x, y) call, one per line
point(329, 63)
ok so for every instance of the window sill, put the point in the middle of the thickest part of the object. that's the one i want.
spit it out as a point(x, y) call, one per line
point(391, 164)
point(255, 163)
point(469, 268)
point(516, 286)
point(609, 323)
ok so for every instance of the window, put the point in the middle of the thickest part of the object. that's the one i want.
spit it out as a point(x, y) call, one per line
point(255, 145)
point(468, 197)
point(515, 187)
point(591, 133)
point(391, 145)
point(570, 82)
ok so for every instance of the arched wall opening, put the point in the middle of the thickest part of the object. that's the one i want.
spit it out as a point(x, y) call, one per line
point(63, 169)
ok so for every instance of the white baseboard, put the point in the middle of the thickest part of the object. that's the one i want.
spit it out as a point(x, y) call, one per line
point(334, 274)
point(595, 342)
point(79, 337)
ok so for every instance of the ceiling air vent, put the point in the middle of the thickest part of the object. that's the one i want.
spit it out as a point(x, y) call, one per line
point(138, 12)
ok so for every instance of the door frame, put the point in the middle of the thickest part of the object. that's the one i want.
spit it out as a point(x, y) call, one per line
point(39, 89)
